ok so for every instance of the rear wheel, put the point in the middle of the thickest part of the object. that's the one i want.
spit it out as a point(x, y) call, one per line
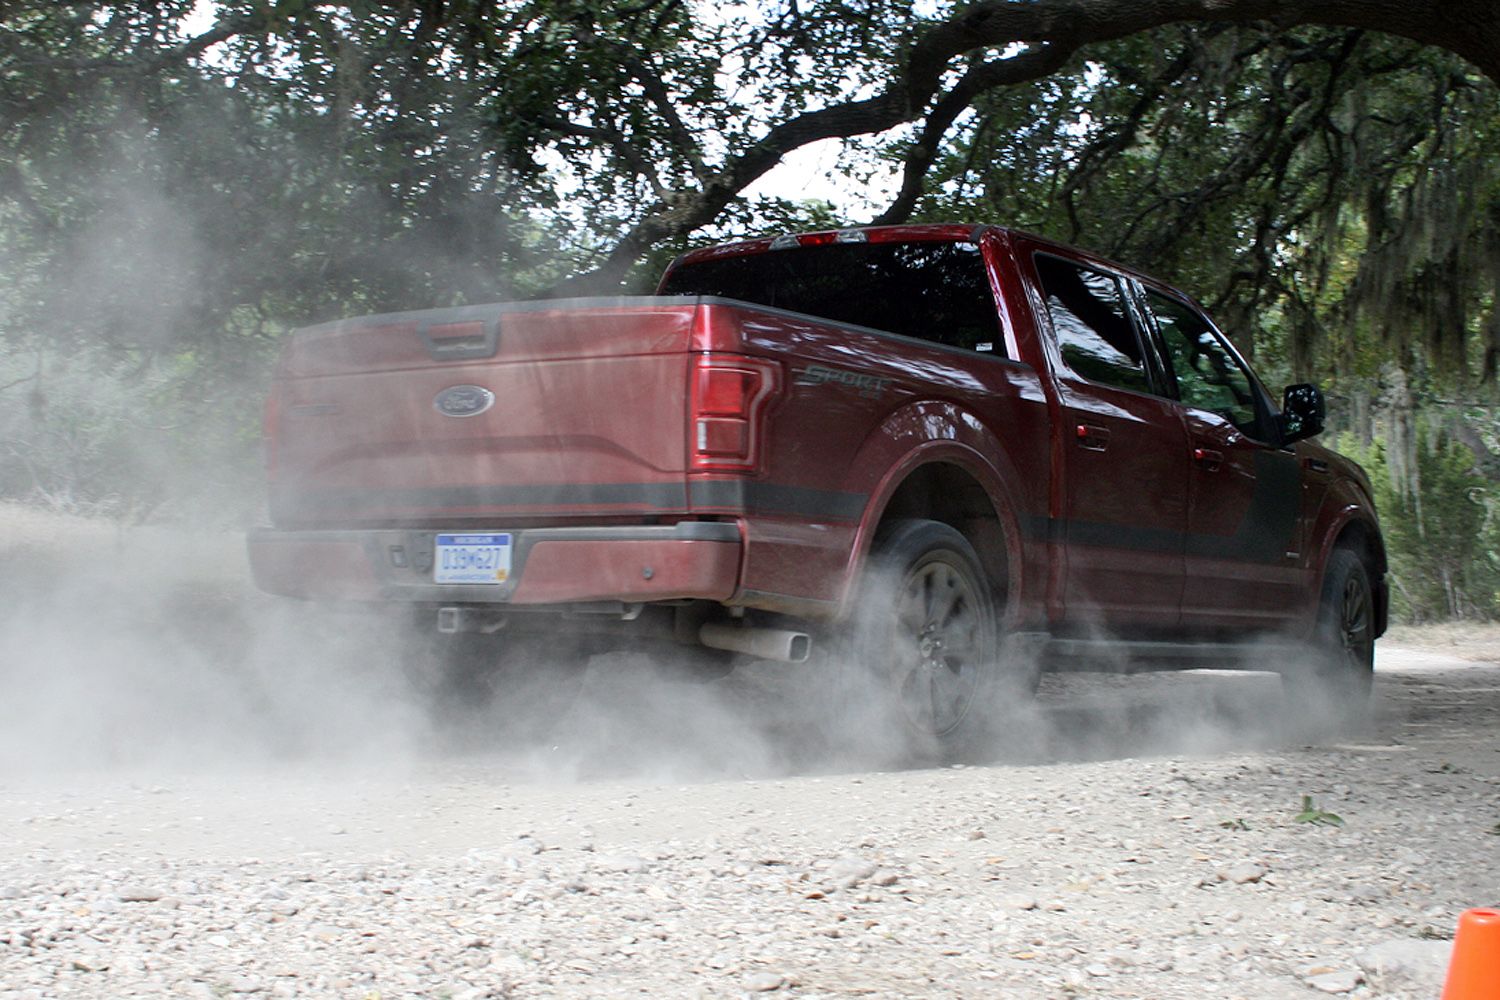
point(1340, 671)
point(926, 647)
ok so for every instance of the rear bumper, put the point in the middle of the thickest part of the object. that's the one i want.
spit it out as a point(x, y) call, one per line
point(692, 559)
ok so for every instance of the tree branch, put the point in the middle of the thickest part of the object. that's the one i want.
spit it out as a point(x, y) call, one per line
point(1031, 65)
point(619, 143)
point(1470, 28)
point(656, 89)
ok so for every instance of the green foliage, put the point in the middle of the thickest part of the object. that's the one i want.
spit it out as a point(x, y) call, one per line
point(1311, 813)
point(1330, 195)
point(1442, 529)
point(123, 436)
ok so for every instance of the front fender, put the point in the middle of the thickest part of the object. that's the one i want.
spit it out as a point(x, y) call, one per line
point(1347, 510)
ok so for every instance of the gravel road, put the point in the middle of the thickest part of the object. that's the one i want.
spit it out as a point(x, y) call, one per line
point(269, 816)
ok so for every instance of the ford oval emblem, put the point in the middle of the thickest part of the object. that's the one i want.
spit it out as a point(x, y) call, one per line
point(463, 401)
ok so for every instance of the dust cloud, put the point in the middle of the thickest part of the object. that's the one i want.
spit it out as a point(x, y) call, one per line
point(127, 644)
point(144, 647)
point(147, 650)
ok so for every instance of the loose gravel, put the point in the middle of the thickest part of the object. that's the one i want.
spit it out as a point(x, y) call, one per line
point(1114, 865)
point(201, 796)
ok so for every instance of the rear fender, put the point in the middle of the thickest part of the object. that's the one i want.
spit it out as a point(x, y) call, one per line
point(926, 433)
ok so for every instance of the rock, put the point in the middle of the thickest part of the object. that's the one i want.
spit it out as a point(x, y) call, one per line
point(1337, 981)
point(764, 982)
point(625, 863)
point(246, 984)
point(1096, 969)
point(1243, 872)
point(1019, 902)
point(1406, 964)
point(10, 892)
point(850, 871)
point(138, 894)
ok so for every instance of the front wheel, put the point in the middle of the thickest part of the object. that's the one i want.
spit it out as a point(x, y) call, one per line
point(1340, 672)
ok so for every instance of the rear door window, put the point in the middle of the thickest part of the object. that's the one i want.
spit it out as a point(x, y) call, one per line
point(934, 291)
point(1094, 332)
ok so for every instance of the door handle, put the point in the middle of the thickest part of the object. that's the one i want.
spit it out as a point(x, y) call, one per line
point(1093, 438)
point(1208, 458)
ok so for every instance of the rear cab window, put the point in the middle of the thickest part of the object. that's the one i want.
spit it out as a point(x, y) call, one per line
point(937, 291)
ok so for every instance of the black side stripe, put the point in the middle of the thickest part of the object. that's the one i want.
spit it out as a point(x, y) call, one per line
point(773, 498)
point(1263, 535)
point(728, 495)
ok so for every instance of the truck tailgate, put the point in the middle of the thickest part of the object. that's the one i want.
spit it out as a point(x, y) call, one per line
point(552, 409)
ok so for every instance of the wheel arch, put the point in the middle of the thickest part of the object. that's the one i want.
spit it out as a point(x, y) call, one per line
point(947, 492)
point(1356, 533)
point(964, 450)
point(954, 486)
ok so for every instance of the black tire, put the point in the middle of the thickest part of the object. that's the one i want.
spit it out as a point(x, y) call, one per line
point(1340, 670)
point(925, 649)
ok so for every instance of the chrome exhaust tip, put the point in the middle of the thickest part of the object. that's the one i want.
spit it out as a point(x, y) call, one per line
point(761, 643)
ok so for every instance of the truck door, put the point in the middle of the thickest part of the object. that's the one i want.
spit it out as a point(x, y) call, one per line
point(1243, 560)
point(1124, 448)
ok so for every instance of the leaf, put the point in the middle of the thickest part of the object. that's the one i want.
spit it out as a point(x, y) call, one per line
point(1311, 813)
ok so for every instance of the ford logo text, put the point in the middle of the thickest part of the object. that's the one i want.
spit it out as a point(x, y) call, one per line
point(463, 401)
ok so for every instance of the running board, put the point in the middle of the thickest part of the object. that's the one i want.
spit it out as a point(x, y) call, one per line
point(1130, 656)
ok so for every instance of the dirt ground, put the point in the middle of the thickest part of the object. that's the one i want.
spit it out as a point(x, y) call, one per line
point(205, 794)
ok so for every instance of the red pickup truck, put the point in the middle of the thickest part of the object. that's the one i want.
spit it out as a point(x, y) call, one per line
point(981, 452)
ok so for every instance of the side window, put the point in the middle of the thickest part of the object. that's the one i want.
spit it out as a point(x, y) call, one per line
point(1093, 329)
point(1208, 376)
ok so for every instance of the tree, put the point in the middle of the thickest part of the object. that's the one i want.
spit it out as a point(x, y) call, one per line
point(1317, 173)
point(641, 96)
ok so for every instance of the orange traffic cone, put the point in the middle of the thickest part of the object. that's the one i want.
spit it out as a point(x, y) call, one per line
point(1474, 970)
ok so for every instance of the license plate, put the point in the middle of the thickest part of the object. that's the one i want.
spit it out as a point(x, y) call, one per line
point(471, 559)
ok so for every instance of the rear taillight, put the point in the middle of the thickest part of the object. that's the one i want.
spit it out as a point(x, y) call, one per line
point(730, 397)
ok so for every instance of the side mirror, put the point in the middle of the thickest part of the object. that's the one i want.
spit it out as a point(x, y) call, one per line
point(1302, 412)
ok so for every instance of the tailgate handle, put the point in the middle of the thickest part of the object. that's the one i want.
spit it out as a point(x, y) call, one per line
point(1208, 458)
point(460, 340)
